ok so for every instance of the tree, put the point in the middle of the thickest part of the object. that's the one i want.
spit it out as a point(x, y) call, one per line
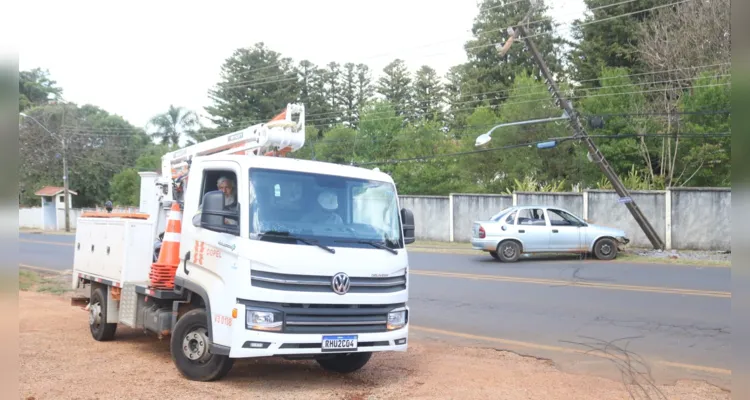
point(395, 87)
point(312, 93)
point(348, 96)
point(125, 188)
point(428, 95)
point(35, 88)
point(610, 43)
point(487, 76)
point(177, 122)
point(682, 40)
point(98, 145)
point(257, 83)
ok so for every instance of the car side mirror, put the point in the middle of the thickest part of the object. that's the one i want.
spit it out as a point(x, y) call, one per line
point(213, 214)
point(407, 226)
point(108, 206)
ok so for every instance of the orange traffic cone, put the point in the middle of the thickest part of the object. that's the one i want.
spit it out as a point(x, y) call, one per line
point(164, 269)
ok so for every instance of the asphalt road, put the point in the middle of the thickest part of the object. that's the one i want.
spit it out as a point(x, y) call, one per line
point(676, 317)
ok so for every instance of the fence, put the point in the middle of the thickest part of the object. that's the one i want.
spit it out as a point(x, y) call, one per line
point(685, 218)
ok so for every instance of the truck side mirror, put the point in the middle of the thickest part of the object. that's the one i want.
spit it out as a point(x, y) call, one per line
point(213, 214)
point(407, 224)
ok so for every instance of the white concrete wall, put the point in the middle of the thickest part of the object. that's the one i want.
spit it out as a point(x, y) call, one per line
point(684, 218)
point(30, 218)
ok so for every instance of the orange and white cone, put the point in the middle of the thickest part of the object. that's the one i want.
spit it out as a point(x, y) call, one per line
point(164, 269)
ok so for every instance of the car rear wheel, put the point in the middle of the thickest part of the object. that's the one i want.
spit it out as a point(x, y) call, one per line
point(509, 251)
point(605, 249)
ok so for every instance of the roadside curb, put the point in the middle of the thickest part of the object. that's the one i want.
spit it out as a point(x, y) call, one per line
point(629, 258)
point(43, 232)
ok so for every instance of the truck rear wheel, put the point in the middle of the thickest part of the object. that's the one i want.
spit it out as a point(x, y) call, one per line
point(100, 329)
point(190, 345)
point(345, 363)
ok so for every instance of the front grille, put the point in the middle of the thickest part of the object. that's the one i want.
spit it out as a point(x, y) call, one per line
point(330, 318)
point(322, 284)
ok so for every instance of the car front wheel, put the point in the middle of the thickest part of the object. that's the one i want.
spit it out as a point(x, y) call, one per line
point(605, 249)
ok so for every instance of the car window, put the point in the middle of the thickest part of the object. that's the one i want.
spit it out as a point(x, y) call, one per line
point(531, 216)
point(499, 216)
point(561, 218)
point(511, 220)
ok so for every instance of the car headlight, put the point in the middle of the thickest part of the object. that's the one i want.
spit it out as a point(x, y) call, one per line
point(396, 319)
point(264, 320)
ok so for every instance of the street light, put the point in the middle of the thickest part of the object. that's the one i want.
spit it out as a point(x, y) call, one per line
point(65, 171)
point(486, 137)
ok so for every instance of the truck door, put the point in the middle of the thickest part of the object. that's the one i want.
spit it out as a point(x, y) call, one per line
point(205, 248)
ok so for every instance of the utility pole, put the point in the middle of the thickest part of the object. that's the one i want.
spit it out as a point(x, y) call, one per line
point(65, 177)
point(66, 189)
point(580, 133)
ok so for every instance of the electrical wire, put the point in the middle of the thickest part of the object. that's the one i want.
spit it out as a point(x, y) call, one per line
point(527, 144)
point(282, 78)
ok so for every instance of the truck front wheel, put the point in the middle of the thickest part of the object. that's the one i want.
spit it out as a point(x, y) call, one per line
point(345, 363)
point(190, 345)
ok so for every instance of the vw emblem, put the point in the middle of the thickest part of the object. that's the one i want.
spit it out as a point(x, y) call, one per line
point(340, 283)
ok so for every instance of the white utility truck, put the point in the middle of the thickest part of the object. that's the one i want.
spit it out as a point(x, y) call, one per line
point(310, 263)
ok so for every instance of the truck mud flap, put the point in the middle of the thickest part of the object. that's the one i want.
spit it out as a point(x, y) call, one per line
point(79, 301)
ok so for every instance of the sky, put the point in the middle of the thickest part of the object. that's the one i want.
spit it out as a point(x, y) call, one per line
point(136, 58)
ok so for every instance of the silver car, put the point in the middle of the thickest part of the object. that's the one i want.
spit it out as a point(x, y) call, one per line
point(541, 229)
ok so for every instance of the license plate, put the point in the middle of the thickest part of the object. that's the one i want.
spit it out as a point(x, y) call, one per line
point(339, 343)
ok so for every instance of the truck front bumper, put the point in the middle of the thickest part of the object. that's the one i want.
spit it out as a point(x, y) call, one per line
point(261, 344)
point(248, 343)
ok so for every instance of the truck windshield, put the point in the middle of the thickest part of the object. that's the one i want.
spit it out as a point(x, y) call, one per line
point(323, 209)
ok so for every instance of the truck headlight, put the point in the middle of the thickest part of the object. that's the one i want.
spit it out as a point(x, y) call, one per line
point(264, 320)
point(396, 319)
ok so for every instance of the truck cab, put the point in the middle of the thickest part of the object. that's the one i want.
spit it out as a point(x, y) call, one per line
point(310, 259)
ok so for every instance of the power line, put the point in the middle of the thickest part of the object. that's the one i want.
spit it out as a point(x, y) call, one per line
point(528, 144)
point(343, 118)
point(277, 79)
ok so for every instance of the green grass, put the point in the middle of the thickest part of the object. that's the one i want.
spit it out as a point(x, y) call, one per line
point(36, 282)
point(27, 280)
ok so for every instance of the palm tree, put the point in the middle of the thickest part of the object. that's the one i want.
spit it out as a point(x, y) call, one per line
point(174, 123)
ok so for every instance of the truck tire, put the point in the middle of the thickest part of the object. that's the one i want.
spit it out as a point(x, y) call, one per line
point(190, 345)
point(100, 330)
point(345, 363)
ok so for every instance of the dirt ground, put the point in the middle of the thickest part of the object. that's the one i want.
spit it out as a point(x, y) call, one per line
point(60, 360)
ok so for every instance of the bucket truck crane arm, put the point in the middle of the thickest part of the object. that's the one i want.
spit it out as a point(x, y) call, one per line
point(275, 138)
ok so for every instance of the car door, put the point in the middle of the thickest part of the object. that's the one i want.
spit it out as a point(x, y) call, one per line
point(531, 227)
point(566, 233)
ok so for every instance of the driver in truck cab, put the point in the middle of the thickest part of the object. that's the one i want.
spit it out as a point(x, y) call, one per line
point(325, 212)
point(226, 186)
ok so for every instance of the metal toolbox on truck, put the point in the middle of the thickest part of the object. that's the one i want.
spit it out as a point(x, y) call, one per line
point(117, 250)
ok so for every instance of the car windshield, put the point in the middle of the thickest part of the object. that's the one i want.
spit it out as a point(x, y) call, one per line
point(326, 209)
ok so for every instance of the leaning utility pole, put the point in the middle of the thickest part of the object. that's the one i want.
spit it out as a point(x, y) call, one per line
point(580, 133)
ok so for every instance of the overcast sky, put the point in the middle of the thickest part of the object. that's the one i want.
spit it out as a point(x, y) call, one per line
point(136, 58)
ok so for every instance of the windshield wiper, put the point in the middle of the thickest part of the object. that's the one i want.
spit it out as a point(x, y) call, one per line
point(370, 242)
point(287, 235)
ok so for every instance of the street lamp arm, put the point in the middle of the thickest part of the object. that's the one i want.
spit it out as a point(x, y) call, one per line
point(486, 137)
point(39, 123)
